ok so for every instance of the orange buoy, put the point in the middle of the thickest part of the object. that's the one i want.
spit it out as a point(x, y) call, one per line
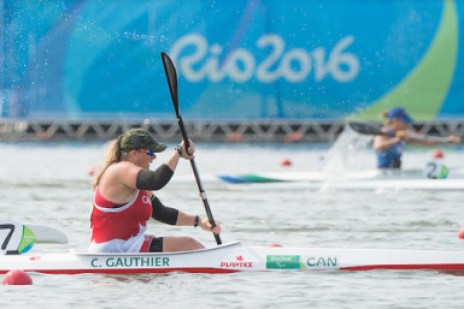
point(235, 137)
point(293, 137)
point(17, 277)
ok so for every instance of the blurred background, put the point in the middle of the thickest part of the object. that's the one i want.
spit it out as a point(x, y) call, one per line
point(249, 70)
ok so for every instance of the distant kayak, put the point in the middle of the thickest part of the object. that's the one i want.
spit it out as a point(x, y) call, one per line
point(353, 185)
point(375, 174)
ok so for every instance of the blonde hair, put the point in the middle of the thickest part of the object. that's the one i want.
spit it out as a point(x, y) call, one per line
point(112, 155)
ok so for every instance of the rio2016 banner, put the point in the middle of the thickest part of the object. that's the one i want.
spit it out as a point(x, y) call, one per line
point(243, 59)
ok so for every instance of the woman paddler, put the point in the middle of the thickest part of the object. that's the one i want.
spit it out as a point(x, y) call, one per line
point(123, 201)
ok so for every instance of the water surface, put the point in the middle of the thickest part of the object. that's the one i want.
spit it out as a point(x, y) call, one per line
point(49, 184)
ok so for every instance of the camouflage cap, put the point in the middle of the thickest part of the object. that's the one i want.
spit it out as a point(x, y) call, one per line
point(138, 138)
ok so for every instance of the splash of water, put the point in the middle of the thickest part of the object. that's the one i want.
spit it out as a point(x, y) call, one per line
point(344, 155)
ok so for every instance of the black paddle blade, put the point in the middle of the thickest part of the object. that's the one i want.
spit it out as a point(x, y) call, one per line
point(365, 128)
point(171, 77)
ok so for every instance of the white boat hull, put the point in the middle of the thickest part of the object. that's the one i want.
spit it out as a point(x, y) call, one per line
point(235, 257)
point(377, 185)
point(374, 174)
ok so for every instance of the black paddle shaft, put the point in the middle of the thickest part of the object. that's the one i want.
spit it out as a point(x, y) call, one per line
point(365, 128)
point(171, 77)
point(369, 129)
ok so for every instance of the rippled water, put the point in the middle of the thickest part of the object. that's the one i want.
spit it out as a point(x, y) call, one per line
point(49, 184)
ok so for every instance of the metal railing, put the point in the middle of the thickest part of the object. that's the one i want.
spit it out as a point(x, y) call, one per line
point(261, 131)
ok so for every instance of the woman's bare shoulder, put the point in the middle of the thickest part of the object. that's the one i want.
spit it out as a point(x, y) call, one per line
point(123, 172)
point(122, 167)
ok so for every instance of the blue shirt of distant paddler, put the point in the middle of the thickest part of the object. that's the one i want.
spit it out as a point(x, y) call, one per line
point(391, 158)
point(389, 149)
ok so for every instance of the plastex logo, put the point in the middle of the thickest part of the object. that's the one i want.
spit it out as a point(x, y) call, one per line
point(239, 262)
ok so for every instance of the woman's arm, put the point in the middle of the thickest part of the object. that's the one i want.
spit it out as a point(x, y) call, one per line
point(136, 177)
point(432, 140)
point(173, 216)
point(382, 143)
point(153, 180)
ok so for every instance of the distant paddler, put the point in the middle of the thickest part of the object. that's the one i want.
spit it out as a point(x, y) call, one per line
point(389, 146)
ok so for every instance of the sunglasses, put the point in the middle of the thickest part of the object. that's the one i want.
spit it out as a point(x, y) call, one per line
point(150, 153)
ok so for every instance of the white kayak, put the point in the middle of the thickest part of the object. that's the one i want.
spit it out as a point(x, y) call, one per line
point(226, 258)
point(376, 185)
point(375, 174)
point(235, 257)
point(398, 184)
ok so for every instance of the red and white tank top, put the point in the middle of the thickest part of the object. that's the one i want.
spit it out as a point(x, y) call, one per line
point(119, 228)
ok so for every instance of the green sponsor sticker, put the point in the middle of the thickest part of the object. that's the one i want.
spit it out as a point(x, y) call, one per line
point(283, 262)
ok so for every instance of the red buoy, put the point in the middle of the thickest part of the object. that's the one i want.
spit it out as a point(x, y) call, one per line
point(286, 162)
point(17, 277)
point(91, 171)
point(274, 245)
point(438, 154)
point(461, 234)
